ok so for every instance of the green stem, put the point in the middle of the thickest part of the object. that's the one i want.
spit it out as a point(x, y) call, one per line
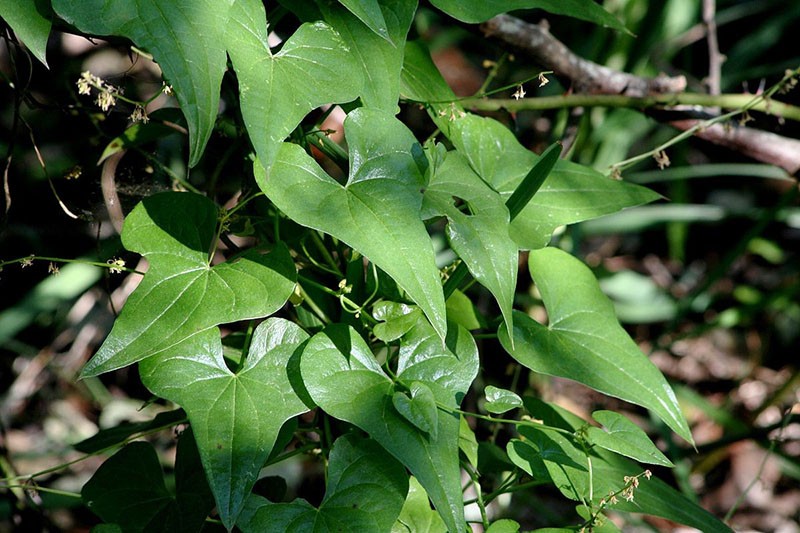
point(725, 101)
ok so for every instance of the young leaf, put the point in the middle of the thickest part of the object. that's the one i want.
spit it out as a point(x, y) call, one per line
point(277, 91)
point(480, 236)
point(236, 417)
point(182, 294)
point(344, 379)
point(482, 10)
point(129, 490)
point(379, 56)
point(395, 319)
point(584, 341)
point(417, 515)
point(31, 26)
point(571, 193)
point(376, 212)
point(365, 493)
point(625, 438)
point(419, 409)
point(501, 400)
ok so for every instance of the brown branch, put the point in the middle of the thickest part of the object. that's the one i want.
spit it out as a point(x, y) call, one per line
point(760, 145)
point(586, 76)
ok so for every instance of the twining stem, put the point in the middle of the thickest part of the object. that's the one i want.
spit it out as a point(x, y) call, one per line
point(725, 101)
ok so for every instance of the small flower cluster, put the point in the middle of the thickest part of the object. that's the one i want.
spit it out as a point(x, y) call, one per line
point(627, 492)
point(453, 113)
point(107, 94)
point(116, 265)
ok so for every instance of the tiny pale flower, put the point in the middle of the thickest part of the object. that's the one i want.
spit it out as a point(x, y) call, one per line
point(53, 269)
point(543, 80)
point(117, 265)
point(519, 93)
point(28, 261)
point(139, 115)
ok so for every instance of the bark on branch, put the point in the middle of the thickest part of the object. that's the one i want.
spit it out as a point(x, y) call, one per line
point(588, 77)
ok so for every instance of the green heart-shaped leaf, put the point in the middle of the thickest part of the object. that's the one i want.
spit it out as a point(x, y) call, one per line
point(182, 294)
point(379, 54)
point(480, 236)
point(365, 493)
point(376, 212)
point(344, 379)
point(278, 90)
point(419, 409)
point(501, 400)
point(236, 417)
point(584, 341)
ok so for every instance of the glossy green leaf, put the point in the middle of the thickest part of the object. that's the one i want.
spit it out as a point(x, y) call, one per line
point(380, 57)
point(365, 493)
point(474, 11)
point(277, 91)
point(236, 417)
point(626, 438)
point(376, 212)
point(369, 12)
point(480, 236)
point(395, 319)
point(419, 408)
point(571, 193)
point(417, 515)
point(182, 294)
point(129, 490)
point(584, 342)
point(30, 21)
point(190, 38)
point(344, 379)
point(501, 400)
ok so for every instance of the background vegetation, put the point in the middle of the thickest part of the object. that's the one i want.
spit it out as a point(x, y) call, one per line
point(707, 283)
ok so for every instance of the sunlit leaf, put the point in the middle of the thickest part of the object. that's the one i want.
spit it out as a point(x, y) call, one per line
point(346, 381)
point(379, 54)
point(182, 294)
point(376, 212)
point(583, 340)
point(236, 416)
